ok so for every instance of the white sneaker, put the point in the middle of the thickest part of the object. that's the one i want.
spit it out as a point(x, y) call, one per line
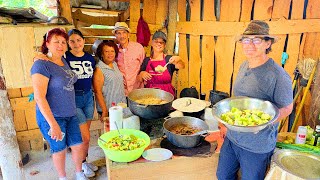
point(81, 176)
point(87, 171)
point(92, 166)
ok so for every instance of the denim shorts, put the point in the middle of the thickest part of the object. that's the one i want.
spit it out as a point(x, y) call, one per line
point(68, 125)
point(85, 106)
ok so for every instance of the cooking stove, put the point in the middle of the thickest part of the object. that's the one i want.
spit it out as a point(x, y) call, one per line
point(152, 127)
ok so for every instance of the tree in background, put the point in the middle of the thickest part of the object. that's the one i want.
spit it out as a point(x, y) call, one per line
point(39, 5)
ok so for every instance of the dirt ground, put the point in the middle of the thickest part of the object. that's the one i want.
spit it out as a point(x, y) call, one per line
point(41, 167)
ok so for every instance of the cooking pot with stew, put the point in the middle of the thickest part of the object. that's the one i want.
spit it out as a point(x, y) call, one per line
point(185, 131)
point(150, 103)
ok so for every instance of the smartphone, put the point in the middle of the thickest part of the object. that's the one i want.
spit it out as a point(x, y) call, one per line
point(62, 133)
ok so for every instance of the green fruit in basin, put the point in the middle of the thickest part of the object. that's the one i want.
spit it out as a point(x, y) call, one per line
point(245, 117)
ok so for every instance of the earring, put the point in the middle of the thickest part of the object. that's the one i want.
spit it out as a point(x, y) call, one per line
point(49, 54)
point(64, 55)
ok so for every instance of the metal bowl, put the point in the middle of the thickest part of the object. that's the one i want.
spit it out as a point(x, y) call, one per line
point(242, 103)
point(303, 165)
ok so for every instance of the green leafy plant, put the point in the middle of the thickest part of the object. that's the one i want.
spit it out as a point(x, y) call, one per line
point(38, 5)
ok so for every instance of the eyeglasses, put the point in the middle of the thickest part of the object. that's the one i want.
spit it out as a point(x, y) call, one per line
point(159, 42)
point(255, 40)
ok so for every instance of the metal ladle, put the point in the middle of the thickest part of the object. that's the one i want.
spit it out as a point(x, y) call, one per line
point(120, 135)
point(102, 140)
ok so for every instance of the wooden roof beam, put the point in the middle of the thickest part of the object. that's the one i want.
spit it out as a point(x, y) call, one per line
point(66, 10)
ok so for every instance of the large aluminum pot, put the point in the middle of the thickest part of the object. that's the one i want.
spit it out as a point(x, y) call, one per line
point(150, 111)
point(185, 141)
point(242, 103)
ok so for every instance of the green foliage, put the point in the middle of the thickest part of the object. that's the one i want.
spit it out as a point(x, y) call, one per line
point(300, 147)
point(38, 5)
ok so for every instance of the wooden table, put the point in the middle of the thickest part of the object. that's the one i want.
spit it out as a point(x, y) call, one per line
point(179, 167)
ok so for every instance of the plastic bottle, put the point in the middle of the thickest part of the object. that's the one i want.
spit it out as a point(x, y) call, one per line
point(301, 135)
point(316, 134)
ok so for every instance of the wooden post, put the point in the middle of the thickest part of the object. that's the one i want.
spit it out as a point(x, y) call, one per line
point(66, 10)
point(10, 157)
point(173, 10)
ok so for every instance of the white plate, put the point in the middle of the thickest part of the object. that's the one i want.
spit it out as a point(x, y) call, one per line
point(195, 106)
point(157, 154)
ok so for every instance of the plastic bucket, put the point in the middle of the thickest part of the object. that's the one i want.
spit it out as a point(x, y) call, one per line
point(216, 96)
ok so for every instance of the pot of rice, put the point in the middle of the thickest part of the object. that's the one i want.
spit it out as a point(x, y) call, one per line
point(149, 103)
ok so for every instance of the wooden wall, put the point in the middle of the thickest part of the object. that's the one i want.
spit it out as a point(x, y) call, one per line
point(84, 18)
point(207, 43)
point(207, 38)
point(155, 14)
point(18, 45)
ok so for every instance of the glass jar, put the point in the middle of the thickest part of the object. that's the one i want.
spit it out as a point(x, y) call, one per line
point(316, 135)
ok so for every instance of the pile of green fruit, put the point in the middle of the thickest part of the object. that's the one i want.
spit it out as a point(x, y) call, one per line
point(289, 143)
point(245, 117)
point(289, 140)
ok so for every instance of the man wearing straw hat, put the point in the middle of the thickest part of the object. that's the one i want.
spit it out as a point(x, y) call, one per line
point(259, 77)
point(130, 57)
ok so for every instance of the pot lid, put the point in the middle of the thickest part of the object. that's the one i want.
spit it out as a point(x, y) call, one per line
point(187, 104)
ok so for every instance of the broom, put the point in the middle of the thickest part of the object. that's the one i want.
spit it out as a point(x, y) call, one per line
point(305, 67)
point(308, 69)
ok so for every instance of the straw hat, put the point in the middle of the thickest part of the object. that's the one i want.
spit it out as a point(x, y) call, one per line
point(259, 29)
point(121, 26)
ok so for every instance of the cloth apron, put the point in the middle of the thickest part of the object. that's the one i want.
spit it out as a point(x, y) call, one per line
point(159, 80)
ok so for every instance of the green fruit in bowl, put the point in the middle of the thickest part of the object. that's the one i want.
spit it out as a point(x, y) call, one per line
point(245, 117)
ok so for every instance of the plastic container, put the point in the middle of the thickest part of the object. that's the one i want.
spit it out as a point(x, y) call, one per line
point(301, 135)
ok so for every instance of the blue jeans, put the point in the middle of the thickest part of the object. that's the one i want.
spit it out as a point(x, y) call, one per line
point(232, 158)
point(68, 125)
point(85, 106)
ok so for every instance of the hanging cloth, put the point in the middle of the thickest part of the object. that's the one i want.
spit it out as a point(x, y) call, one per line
point(143, 32)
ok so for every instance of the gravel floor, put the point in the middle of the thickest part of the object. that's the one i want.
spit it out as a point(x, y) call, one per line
point(41, 167)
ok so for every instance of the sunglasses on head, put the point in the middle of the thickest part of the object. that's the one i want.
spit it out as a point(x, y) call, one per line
point(47, 34)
